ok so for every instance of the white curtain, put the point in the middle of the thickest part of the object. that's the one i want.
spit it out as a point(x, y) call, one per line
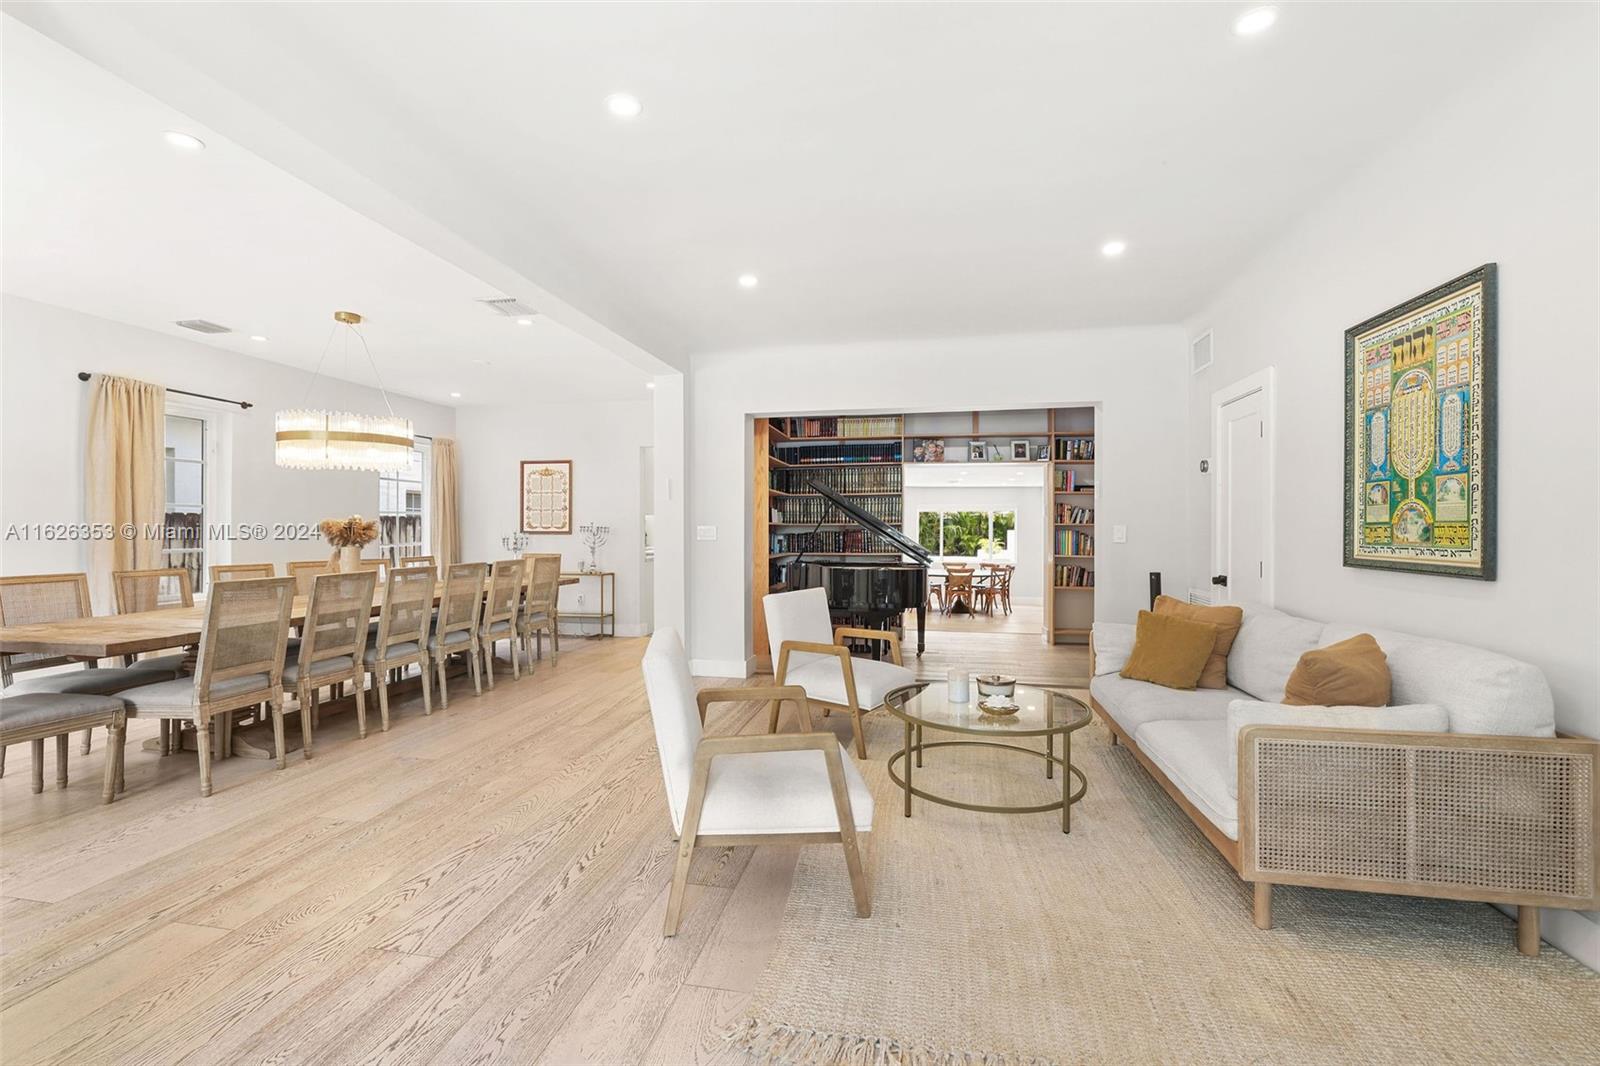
point(125, 480)
point(446, 524)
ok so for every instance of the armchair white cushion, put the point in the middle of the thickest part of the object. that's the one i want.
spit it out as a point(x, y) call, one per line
point(801, 616)
point(823, 680)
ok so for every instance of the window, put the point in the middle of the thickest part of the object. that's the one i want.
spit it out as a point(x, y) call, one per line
point(964, 534)
point(403, 509)
point(184, 539)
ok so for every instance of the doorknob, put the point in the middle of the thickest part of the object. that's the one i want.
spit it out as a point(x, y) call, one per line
point(1220, 579)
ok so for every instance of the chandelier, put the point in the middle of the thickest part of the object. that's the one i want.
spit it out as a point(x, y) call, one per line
point(321, 439)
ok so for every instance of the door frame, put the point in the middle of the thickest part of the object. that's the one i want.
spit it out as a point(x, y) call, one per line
point(1262, 381)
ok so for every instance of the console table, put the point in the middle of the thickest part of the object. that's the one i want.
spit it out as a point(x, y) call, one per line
point(604, 615)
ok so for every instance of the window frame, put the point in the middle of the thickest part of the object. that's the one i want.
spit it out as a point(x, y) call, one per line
point(215, 501)
point(423, 447)
point(1007, 552)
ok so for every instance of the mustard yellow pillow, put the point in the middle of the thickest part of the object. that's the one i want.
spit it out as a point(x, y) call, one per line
point(1226, 619)
point(1169, 651)
point(1351, 673)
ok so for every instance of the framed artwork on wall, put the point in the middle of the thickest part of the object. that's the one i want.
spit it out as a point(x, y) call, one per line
point(1419, 427)
point(545, 495)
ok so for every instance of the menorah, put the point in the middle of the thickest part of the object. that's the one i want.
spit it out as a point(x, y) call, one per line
point(516, 543)
point(594, 537)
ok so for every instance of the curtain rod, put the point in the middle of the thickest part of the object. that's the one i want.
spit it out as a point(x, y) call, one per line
point(244, 405)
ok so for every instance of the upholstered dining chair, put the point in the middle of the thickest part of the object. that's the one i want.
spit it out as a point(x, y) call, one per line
point(240, 666)
point(499, 620)
point(239, 571)
point(305, 572)
point(152, 590)
point(332, 643)
point(808, 652)
point(455, 627)
point(38, 716)
point(402, 636)
point(419, 560)
point(542, 572)
point(787, 788)
point(35, 598)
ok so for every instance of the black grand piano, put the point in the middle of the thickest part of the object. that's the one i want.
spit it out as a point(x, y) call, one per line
point(872, 594)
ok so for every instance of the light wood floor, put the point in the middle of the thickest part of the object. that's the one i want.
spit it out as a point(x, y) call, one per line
point(998, 643)
point(486, 884)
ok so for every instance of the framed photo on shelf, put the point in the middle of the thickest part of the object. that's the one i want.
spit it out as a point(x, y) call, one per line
point(1019, 450)
point(545, 495)
point(977, 451)
point(1419, 433)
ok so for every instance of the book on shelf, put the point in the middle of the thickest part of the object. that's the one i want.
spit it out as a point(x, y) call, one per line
point(1074, 577)
point(1074, 542)
point(852, 426)
point(832, 542)
point(1074, 449)
point(1076, 516)
point(885, 452)
point(884, 478)
point(796, 509)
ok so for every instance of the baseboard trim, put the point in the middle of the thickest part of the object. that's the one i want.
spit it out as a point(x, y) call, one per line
point(720, 668)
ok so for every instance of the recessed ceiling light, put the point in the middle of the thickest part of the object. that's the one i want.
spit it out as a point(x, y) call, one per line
point(624, 105)
point(1112, 249)
point(649, 384)
point(524, 321)
point(186, 141)
point(1256, 20)
point(258, 337)
point(748, 281)
point(455, 396)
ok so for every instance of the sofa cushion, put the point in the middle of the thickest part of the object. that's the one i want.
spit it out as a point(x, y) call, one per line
point(1347, 673)
point(823, 679)
point(1133, 703)
point(1113, 641)
point(1416, 718)
point(1482, 691)
point(1227, 620)
point(1194, 757)
point(1169, 650)
point(1269, 645)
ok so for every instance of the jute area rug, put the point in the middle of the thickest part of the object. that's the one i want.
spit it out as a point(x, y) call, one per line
point(996, 940)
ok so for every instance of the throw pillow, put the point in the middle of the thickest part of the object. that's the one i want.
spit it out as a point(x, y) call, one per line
point(1351, 673)
point(1169, 651)
point(1226, 619)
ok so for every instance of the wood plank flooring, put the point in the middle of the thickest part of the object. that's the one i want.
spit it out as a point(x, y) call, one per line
point(485, 884)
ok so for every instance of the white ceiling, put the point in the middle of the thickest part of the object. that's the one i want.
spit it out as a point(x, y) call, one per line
point(889, 170)
point(102, 216)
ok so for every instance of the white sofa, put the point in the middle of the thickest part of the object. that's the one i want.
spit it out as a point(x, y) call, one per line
point(1372, 799)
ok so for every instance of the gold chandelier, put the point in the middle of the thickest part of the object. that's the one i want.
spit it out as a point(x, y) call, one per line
point(320, 439)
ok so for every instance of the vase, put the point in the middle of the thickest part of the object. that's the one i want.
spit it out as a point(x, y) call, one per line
point(349, 560)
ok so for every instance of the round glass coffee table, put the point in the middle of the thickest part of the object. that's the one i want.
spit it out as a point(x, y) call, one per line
point(1043, 713)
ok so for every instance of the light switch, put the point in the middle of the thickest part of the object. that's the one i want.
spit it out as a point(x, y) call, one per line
point(705, 532)
point(1119, 534)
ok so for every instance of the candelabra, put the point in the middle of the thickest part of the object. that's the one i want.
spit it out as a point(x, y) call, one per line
point(594, 538)
point(516, 543)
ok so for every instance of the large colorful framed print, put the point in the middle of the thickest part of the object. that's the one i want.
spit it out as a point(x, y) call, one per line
point(545, 496)
point(1419, 424)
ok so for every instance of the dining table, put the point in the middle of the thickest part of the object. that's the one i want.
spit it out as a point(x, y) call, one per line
point(107, 636)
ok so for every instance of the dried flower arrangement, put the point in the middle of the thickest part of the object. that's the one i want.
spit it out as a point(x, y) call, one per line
point(352, 532)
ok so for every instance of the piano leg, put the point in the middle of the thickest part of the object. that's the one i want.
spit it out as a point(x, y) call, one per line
point(922, 624)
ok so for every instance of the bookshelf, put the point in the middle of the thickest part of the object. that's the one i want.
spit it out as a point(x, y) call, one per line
point(1070, 569)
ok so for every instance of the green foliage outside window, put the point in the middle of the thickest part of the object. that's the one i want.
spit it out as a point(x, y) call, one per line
point(962, 534)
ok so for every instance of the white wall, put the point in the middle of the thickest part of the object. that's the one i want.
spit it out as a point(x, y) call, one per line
point(1509, 174)
point(44, 410)
point(1135, 375)
point(603, 440)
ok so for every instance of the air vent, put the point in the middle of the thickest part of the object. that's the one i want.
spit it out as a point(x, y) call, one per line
point(505, 305)
point(1200, 352)
point(1200, 597)
point(200, 325)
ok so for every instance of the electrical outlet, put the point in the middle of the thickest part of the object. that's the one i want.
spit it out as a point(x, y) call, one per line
point(705, 532)
point(1119, 534)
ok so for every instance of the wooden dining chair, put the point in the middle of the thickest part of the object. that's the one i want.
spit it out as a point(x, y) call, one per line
point(420, 560)
point(958, 589)
point(333, 641)
point(455, 627)
point(240, 571)
point(36, 598)
point(152, 590)
point(538, 616)
point(240, 666)
point(499, 619)
point(402, 637)
point(305, 572)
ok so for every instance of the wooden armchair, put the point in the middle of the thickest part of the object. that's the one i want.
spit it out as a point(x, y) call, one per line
point(807, 652)
point(749, 790)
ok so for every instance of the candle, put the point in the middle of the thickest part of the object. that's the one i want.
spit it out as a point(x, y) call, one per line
point(959, 692)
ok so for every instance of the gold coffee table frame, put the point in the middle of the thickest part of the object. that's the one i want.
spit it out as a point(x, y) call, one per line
point(968, 719)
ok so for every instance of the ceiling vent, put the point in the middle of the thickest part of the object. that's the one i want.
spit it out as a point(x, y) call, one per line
point(506, 306)
point(1200, 352)
point(200, 325)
